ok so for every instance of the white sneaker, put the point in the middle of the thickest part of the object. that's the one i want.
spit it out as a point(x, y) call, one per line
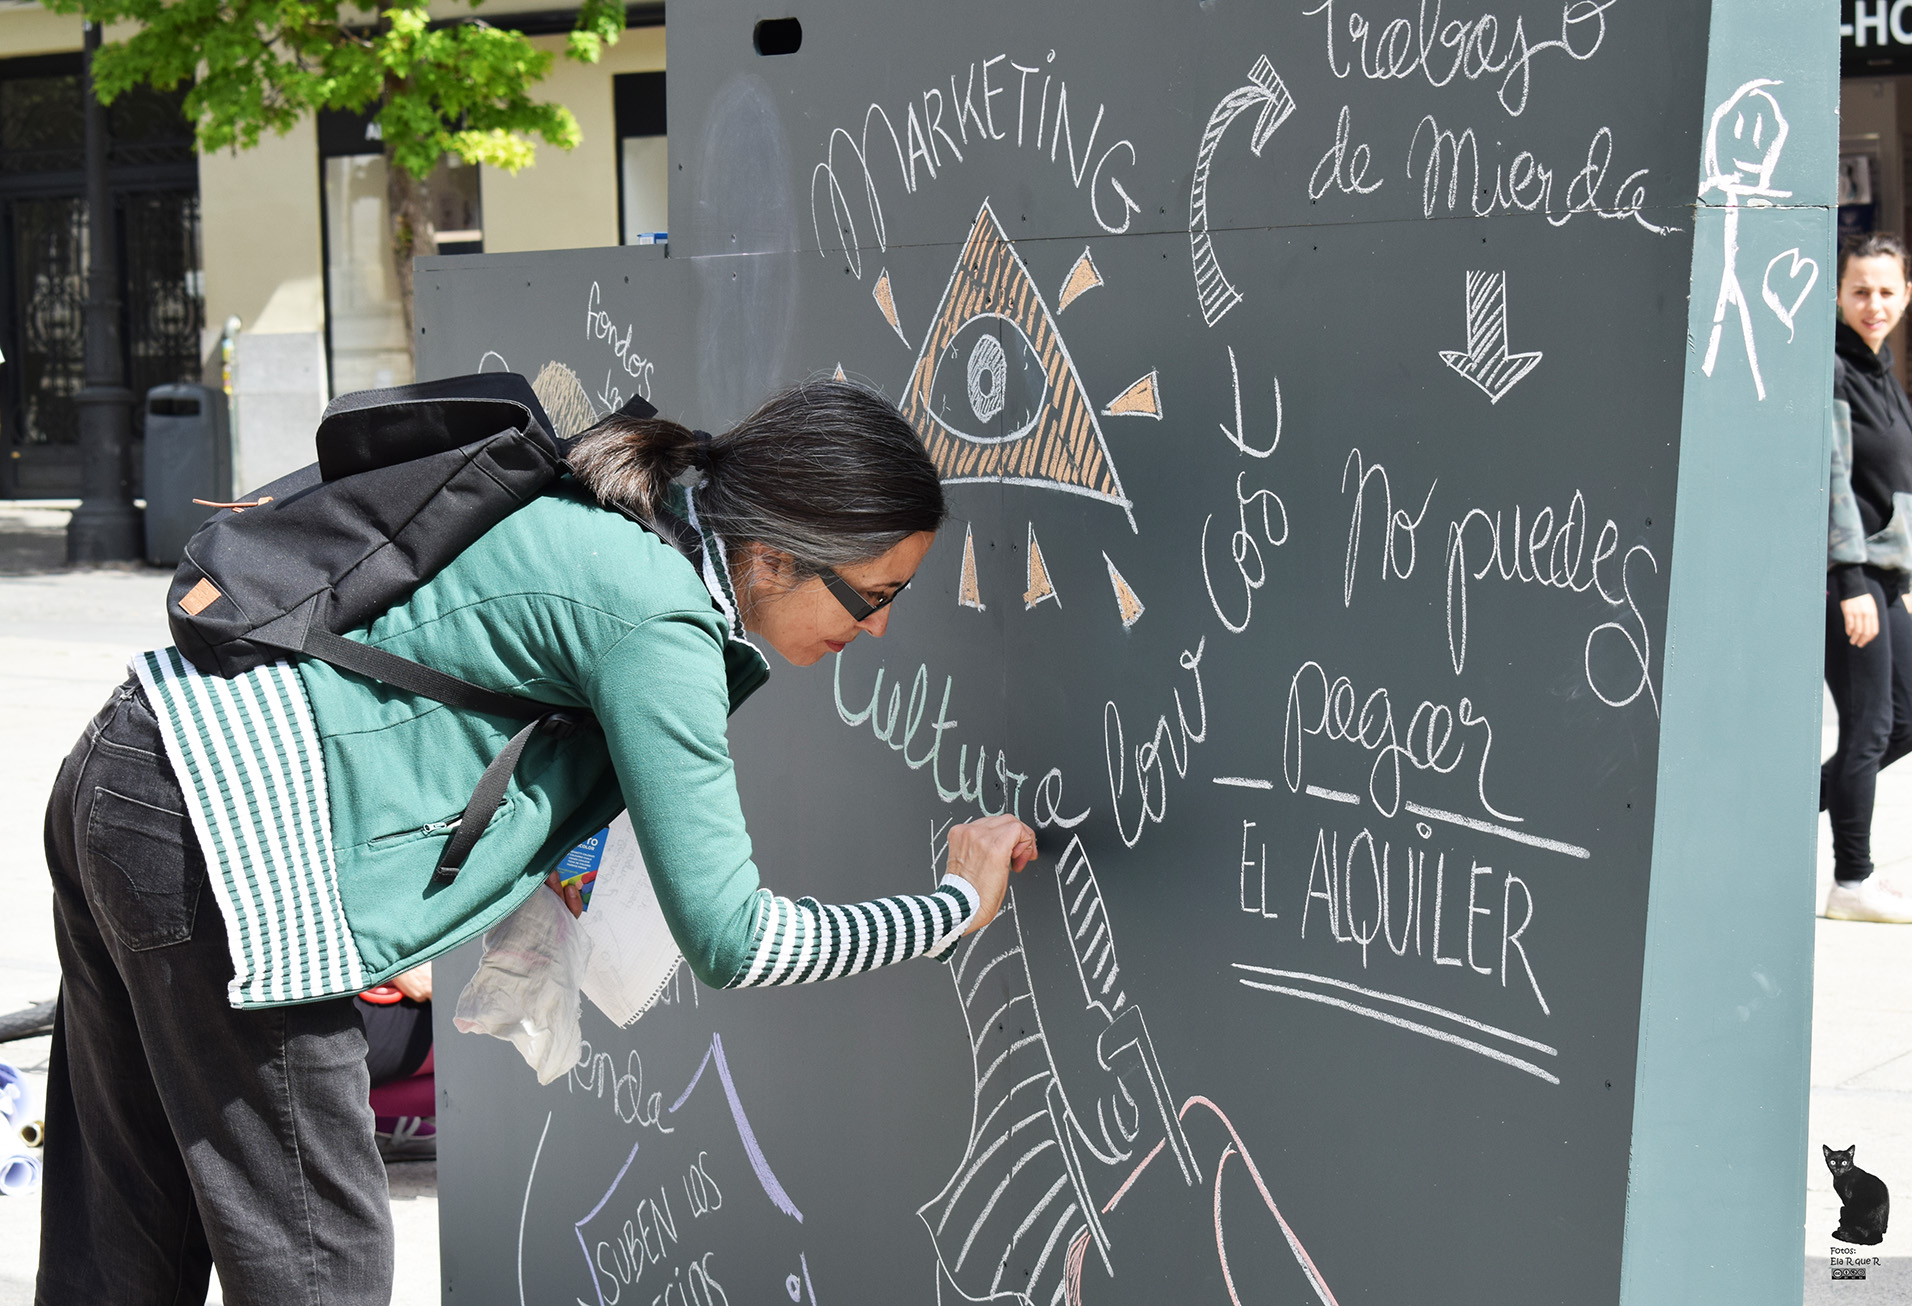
point(1871, 899)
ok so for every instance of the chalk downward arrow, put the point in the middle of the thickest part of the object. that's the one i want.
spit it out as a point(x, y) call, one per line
point(1486, 362)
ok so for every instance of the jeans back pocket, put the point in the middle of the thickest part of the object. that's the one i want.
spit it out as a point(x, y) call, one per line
point(143, 870)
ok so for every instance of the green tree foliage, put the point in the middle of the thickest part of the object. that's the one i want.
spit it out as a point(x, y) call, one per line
point(461, 87)
point(458, 87)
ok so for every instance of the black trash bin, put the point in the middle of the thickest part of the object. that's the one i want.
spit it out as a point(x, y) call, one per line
point(188, 456)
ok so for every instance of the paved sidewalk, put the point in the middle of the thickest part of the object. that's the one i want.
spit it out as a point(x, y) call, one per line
point(1862, 1058)
point(65, 637)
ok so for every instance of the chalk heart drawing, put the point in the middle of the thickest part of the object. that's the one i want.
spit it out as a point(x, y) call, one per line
point(1059, 1135)
point(994, 392)
point(1783, 311)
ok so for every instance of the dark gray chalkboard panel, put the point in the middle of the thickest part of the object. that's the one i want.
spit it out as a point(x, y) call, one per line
point(1338, 692)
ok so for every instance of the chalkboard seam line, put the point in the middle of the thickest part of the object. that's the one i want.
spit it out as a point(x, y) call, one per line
point(1431, 1010)
point(1414, 1027)
point(1488, 827)
point(1720, 206)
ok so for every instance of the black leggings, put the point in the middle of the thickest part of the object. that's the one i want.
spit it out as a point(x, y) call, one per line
point(1872, 688)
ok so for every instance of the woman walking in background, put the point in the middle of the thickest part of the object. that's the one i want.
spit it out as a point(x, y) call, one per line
point(1869, 564)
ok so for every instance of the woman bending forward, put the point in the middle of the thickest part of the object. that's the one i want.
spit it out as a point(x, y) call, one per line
point(233, 859)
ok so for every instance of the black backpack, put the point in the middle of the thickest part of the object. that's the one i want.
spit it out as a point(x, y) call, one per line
point(407, 479)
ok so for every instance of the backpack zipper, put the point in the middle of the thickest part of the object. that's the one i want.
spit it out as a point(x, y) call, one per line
point(433, 827)
point(444, 826)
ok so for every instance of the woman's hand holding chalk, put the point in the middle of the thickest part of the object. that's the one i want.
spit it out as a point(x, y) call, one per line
point(984, 853)
point(572, 895)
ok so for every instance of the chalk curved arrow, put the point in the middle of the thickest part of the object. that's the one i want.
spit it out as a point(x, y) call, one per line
point(1486, 361)
point(1266, 91)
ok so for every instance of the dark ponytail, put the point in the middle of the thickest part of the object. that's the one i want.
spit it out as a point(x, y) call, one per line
point(825, 471)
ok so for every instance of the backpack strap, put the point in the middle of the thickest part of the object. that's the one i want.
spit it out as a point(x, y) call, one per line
point(490, 791)
point(297, 632)
point(416, 677)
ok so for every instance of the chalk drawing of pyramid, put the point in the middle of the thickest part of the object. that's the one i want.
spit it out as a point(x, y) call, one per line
point(994, 393)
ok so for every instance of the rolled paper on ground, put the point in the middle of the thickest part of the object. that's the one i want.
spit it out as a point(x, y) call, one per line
point(19, 1175)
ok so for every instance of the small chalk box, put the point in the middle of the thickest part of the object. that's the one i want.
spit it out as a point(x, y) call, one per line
point(579, 867)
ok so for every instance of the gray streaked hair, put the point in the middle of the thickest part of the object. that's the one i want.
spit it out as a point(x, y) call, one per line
point(825, 471)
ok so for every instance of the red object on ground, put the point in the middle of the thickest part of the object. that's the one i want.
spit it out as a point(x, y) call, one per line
point(412, 1096)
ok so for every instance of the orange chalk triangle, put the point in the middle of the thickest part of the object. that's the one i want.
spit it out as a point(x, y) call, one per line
point(886, 301)
point(1125, 600)
point(1041, 589)
point(968, 593)
point(839, 373)
point(1083, 276)
point(1141, 399)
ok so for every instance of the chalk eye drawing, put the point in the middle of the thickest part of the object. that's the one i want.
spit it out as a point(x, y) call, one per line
point(1125, 600)
point(1083, 276)
point(1052, 1152)
point(565, 400)
point(1758, 126)
point(1265, 91)
point(1041, 588)
point(1486, 361)
point(994, 392)
point(968, 593)
point(1142, 398)
point(885, 299)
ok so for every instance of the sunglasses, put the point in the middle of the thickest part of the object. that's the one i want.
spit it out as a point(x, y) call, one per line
point(859, 608)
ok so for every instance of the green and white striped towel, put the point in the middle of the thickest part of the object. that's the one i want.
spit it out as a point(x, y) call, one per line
point(248, 759)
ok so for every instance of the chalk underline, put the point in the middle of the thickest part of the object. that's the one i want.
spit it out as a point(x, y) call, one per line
point(1399, 1022)
point(1431, 813)
point(1333, 795)
point(1396, 998)
point(1505, 832)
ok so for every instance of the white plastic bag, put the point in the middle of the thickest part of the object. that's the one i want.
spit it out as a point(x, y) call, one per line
point(527, 984)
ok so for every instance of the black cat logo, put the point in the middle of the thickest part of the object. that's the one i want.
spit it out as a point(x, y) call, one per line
point(1863, 1200)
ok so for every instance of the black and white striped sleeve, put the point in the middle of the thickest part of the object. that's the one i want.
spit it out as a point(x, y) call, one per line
point(805, 940)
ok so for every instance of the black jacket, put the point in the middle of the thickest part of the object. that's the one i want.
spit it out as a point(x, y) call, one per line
point(1881, 440)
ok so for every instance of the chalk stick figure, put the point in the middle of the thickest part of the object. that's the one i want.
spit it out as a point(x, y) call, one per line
point(1756, 120)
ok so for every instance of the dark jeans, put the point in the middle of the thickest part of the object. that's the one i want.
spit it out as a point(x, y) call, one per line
point(1872, 688)
point(182, 1132)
